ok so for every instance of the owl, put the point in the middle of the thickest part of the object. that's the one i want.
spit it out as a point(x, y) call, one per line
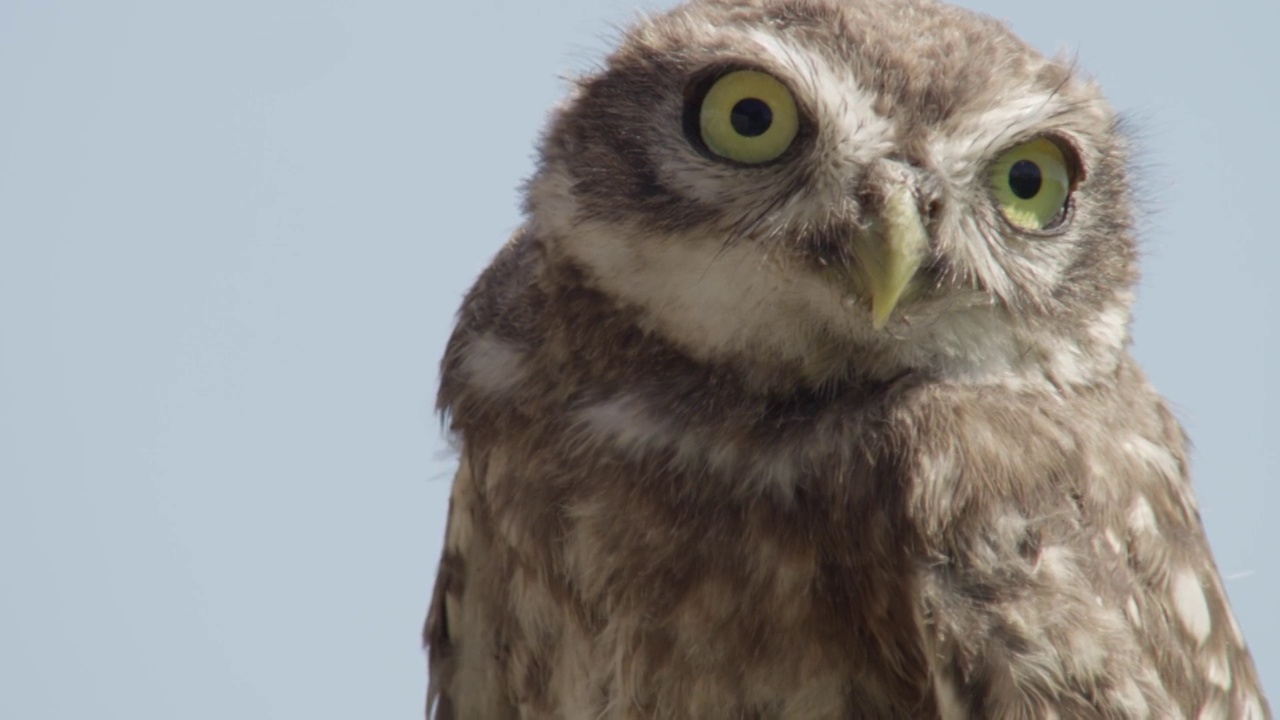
point(804, 392)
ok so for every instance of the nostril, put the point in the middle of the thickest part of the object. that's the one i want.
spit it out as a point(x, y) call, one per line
point(932, 209)
point(870, 189)
point(930, 196)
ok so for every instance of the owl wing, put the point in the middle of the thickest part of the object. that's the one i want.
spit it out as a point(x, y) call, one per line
point(1088, 592)
point(467, 678)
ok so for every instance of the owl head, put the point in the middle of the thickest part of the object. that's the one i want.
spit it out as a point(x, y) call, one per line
point(813, 191)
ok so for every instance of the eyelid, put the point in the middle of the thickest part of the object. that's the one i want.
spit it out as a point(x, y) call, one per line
point(1068, 146)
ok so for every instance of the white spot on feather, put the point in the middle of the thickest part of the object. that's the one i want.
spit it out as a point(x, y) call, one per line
point(1218, 670)
point(1153, 456)
point(1133, 613)
point(1057, 562)
point(1111, 327)
point(628, 423)
point(492, 365)
point(1113, 540)
point(624, 421)
point(1130, 696)
point(1142, 519)
point(1087, 656)
point(1190, 604)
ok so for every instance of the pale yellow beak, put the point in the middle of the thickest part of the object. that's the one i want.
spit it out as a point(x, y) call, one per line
point(890, 254)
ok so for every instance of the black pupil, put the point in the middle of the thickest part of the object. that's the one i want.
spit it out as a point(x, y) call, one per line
point(1025, 179)
point(751, 117)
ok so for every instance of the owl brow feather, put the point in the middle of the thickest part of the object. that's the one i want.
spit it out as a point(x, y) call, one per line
point(1063, 110)
point(1057, 91)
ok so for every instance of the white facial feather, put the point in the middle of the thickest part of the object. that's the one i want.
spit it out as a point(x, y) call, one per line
point(720, 300)
point(855, 133)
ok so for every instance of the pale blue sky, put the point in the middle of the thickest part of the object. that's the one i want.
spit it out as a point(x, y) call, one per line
point(232, 238)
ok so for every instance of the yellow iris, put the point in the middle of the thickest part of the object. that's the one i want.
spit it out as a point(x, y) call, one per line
point(1031, 183)
point(749, 117)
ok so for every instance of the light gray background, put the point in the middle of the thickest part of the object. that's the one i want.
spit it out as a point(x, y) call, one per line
point(233, 235)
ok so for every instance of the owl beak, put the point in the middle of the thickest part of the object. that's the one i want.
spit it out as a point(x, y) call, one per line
point(890, 254)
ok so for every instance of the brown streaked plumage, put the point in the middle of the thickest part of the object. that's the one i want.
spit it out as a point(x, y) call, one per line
point(700, 479)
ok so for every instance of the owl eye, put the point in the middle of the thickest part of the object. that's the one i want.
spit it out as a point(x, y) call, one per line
point(1031, 183)
point(748, 117)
